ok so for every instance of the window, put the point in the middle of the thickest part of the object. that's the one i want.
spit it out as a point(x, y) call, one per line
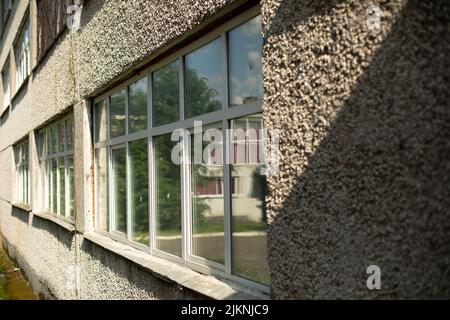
point(6, 82)
point(21, 158)
point(22, 52)
point(51, 22)
point(56, 157)
point(165, 179)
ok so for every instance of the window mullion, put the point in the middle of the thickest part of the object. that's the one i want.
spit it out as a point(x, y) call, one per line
point(225, 155)
point(128, 192)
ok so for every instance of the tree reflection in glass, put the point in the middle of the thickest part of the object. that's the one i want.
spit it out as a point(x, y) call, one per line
point(117, 114)
point(168, 197)
point(119, 176)
point(204, 79)
point(139, 190)
point(166, 94)
point(138, 106)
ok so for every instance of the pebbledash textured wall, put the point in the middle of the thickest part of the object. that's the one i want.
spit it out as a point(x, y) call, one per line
point(364, 120)
point(364, 139)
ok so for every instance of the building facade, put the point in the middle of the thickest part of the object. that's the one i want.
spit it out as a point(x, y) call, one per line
point(226, 149)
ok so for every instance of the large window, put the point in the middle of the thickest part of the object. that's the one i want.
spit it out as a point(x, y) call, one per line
point(177, 189)
point(22, 52)
point(56, 157)
point(6, 82)
point(21, 159)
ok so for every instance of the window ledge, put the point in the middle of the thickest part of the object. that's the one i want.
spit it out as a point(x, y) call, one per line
point(205, 285)
point(20, 88)
point(50, 217)
point(22, 206)
point(5, 109)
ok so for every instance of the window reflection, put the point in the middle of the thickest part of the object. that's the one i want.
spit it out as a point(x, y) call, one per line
point(204, 79)
point(166, 94)
point(168, 197)
point(117, 114)
point(249, 223)
point(245, 63)
point(62, 190)
point(119, 176)
point(207, 201)
point(138, 106)
point(139, 190)
point(101, 175)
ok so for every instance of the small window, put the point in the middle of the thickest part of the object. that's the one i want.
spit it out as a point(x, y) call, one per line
point(6, 82)
point(22, 52)
point(56, 158)
point(51, 22)
point(21, 158)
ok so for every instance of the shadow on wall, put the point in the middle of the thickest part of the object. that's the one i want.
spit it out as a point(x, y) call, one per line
point(365, 168)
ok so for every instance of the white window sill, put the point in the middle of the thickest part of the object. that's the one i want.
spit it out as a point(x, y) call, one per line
point(169, 271)
point(5, 109)
point(22, 206)
point(53, 218)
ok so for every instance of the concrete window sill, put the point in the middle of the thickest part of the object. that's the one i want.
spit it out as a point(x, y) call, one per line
point(51, 217)
point(205, 285)
point(22, 206)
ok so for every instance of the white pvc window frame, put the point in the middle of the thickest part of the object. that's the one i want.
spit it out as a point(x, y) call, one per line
point(221, 117)
point(6, 81)
point(47, 160)
point(22, 53)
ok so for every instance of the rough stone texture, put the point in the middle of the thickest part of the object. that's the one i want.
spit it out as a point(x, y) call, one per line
point(365, 148)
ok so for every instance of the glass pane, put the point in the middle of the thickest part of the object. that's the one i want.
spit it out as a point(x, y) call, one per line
point(207, 203)
point(139, 190)
point(204, 79)
point(61, 136)
point(101, 121)
point(138, 106)
point(41, 145)
point(71, 184)
point(101, 175)
point(117, 114)
point(166, 94)
point(245, 63)
point(119, 185)
point(54, 186)
point(48, 142)
point(53, 142)
point(248, 187)
point(48, 172)
point(69, 134)
point(168, 197)
point(62, 188)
